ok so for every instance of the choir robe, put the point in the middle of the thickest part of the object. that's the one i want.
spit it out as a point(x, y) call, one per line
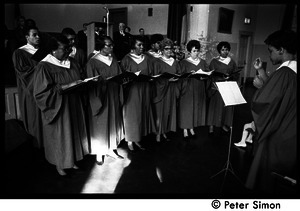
point(65, 133)
point(138, 110)
point(192, 101)
point(81, 58)
point(31, 114)
point(274, 111)
point(218, 115)
point(105, 110)
point(166, 94)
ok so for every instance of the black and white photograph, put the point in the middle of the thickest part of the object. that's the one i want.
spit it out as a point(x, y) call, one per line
point(150, 101)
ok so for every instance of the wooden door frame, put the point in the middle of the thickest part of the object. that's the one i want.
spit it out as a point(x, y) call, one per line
point(249, 51)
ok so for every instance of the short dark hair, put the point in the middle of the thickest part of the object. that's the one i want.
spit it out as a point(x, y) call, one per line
point(223, 44)
point(54, 41)
point(166, 42)
point(133, 40)
point(156, 38)
point(27, 29)
point(100, 42)
point(286, 39)
point(193, 43)
point(68, 31)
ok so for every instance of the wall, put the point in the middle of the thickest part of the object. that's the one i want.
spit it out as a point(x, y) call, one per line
point(55, 17)
point(263, 22)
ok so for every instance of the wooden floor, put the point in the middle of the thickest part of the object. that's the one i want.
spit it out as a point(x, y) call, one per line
point(170, 169)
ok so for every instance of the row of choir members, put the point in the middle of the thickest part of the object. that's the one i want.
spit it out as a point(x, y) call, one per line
point(67, 121)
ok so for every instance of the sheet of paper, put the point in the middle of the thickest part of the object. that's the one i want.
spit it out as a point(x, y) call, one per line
point(203, 72)
point(230, 93)
point(92, 78)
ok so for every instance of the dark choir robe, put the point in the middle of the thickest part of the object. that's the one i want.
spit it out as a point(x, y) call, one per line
point(166, 94)
point(274, 111)
point(31, 114)
point(218, 115)
point(65, 135)
point(105, 113)
point(137, 110)
point(192, 101)
point(81, 58)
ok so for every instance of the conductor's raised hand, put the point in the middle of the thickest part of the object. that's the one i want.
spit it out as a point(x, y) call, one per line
point(257, 63)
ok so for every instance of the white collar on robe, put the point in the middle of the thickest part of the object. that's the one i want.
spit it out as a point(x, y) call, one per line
point(169, 61)
point(72, 54)
point(105, 59)
point(194, 61)
point(29, 48)
point(95, 52)
point(224, 60)
point(137, 58)
point(291, 64)
point(155, 54)
point(51, 59)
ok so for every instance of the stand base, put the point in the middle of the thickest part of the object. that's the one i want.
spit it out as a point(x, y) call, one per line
point(227, 167)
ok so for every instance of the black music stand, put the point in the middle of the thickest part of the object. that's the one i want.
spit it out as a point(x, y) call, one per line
point(231, 96)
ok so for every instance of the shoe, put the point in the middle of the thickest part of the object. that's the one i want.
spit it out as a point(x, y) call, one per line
point(225, 128)
point(249, 141)
point(114, 154)
point(75, 167)
point(61, 172)
point(157, 138)
point(100, 163)
point(240, 144)
point(186, 138)
point(211, 129)
point(130, 146)
point(139, 146)
point(165, 138)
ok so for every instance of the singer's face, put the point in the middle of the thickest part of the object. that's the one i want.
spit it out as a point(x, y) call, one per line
point(108, 47)
point(194, 53)
point(139, 47)
point(224, 52)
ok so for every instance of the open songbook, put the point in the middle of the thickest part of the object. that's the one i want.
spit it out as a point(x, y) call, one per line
point(225, 75)
point(127, 76)
point(67, 87)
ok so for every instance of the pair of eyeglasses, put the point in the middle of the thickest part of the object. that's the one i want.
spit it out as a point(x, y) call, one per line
point(110, 45)
point(167, 49)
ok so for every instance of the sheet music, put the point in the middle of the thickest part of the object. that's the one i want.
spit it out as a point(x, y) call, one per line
point(230, 92)
point(202, 72)
point(92, 78)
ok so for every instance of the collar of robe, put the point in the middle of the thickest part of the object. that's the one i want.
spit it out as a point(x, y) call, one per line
point(155, 54)
point(291, 64)
point(224, 60)
point(105, 59)
point(137, 58)
point(193, 61)
point(169, 61)
point(29, 48)
point(51, 59)
point(72, 54)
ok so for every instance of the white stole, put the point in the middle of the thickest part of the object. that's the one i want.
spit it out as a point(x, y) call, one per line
point(224, 60)
point(105, 59)
point(51, 59)
point(169, 61)
point(29, 48)
point(291, 64)
point(193, 61)
point(137, 58)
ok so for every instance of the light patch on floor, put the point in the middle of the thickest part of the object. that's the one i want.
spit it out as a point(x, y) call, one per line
point(104, 179)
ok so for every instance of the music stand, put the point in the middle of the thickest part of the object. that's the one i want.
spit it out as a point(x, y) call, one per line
point(231, 96)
